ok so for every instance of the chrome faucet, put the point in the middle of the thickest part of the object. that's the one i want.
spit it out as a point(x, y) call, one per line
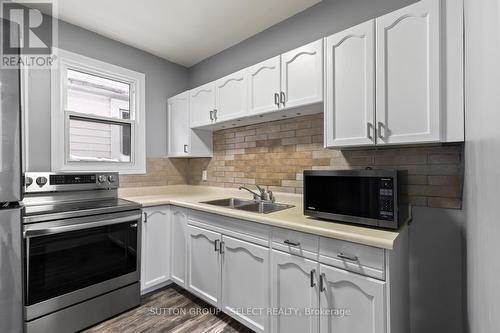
point(263, 195)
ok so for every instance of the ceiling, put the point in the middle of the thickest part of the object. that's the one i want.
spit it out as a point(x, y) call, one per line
point(182, 31)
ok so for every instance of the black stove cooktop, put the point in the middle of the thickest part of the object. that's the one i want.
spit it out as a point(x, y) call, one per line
point(70, 209)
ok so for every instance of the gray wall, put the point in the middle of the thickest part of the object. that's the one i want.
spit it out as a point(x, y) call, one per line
point(437, 288)
point(163, 79)
point(482, 169)
point(437, 245)
point(323, 19)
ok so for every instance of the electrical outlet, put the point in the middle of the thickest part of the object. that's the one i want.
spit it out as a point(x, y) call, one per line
point(204, 176)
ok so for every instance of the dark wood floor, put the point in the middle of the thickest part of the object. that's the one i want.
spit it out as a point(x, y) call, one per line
point(171, 310)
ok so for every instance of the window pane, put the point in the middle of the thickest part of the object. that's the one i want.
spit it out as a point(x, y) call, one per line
point(95, 95)
point(99, 141)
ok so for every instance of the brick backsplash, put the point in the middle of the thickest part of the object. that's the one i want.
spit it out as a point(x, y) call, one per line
point(274, 154)
point(159, 171)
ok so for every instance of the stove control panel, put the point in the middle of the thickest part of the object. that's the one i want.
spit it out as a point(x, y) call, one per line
point(69, 181)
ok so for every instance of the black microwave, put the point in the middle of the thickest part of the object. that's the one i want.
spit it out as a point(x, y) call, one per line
point(367, 197)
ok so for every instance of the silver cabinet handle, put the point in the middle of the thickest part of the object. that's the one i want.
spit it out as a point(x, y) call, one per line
point(216, 247)
point(380, 125)
point(185, 148)
point(311, 276)
point(221, 250)
point(215, 114)
point(282, 98)
point(322, 278)
point(347, 257)
point(369, 127)
point(211, 115)
point(145, 217)
point(291, 243)
point(277, 99)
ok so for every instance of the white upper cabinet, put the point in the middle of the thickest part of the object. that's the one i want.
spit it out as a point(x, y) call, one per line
point(302, 75)
point(409, 74)
point(362, 296)
point(202, 105)
point(264, 86)
point(287, 81)
point(155, 251)
point(182, 140)
point(350, 87)
point(231, 97)
point(178, 125)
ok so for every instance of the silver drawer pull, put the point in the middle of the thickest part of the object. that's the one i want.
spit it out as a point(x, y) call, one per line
point(289, 242)
point(347, 257)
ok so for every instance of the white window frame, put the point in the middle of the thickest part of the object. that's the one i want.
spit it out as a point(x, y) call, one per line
point(60, 115)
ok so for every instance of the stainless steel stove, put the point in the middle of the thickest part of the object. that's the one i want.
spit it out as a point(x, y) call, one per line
point(81, 251)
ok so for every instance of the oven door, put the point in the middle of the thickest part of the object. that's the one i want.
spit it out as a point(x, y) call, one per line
point(69, 261)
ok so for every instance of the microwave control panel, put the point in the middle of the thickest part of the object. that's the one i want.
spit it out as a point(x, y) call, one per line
point(386, 199)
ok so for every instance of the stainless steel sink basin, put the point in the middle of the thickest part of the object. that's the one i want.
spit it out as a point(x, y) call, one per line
point(262, 207)
point(229, 202)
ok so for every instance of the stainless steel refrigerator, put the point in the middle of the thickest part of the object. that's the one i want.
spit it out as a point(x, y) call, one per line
point(11, 279)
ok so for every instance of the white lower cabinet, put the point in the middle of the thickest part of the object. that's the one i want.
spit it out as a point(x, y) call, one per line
point(155, 251)
point(234, 266)
point(245, 282)
point(178, 245)
point(294, 285)
point(204, 273)
point(351, 303)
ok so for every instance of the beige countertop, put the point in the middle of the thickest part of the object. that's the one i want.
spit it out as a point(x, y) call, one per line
point(293, 218)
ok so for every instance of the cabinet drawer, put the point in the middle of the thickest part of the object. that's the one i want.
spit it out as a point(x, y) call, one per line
point(294, 242)
point(362, 259)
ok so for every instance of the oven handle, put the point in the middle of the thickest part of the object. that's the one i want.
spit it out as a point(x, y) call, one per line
point(36, 232)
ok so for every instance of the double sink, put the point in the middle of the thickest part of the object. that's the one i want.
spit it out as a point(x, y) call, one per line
point(254, 206)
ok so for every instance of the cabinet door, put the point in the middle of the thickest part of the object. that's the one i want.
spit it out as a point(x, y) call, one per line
point(178, 245)
point(204, 266)
point(155, 252)
point(202, 105)
point(294, 285)
point(264, 86)
point(350, 87)
point(355, 303)
point(231, 97)
point(302, 75)
point(178, 125)
point(408, 74)
point(245, 282)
